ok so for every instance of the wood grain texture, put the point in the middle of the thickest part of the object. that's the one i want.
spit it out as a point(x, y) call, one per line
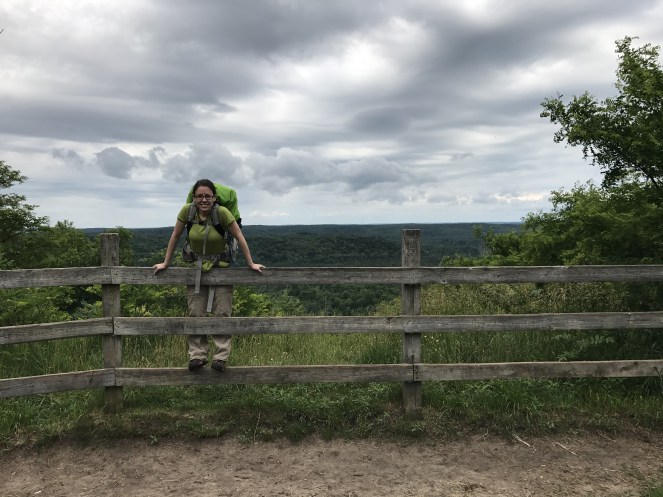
point(61, 382)
point(51, 331)
point(25, 278)
point(393, 324)
point(265, 375)
point(579, 369)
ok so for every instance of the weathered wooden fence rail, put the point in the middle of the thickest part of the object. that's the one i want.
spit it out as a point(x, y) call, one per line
point(411, 372)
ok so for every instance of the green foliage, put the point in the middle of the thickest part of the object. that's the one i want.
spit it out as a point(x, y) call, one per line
point(148, 245)
point(16, 217)
point(274, 412)
point(34, 305)
point(246, 302)
point(381, 349)
point(59, 246)
point(332, 245)
point(355, 245)
point(616, 224)
point(532, 345)
point(339, 300)
point(623, 135)
point(654, 490)
point(153, 300)
point(587, 225)
point(48, 415)
point(56, 356)
point(337, 250)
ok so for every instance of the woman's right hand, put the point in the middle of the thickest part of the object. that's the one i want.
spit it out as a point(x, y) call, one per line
point(159, 267)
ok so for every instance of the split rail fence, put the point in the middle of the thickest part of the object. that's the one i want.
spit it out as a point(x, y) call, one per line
point(411, 372)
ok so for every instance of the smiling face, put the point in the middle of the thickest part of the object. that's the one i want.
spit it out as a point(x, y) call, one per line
point(204, 198)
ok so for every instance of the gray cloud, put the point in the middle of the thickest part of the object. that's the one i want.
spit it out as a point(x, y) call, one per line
point(366, 173)
point(205, 161)
point(422, 103)
point(383, 121)
point(70, 157)
point(115, 162)
point(290, 169)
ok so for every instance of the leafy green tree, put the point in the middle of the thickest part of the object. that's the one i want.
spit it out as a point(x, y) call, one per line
point(623, 135)
point(61, 245)
point(620, 222)
point(247, 302)
point(33, 305)
point(16, 216)
point(587, 225)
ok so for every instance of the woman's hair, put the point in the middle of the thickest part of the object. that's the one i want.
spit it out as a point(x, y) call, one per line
point(204, 182)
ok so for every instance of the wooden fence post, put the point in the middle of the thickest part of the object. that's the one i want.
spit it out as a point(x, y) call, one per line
point(411, 306)
point(110, 302)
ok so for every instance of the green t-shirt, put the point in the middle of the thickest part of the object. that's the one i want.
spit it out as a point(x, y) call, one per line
point(204, 238)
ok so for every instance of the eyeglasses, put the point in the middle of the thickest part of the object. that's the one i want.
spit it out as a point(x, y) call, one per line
point(206, 197)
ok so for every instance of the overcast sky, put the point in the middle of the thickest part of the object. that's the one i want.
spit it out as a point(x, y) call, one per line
point(316, 112)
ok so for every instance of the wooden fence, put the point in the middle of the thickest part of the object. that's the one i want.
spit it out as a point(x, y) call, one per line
point(411, 372)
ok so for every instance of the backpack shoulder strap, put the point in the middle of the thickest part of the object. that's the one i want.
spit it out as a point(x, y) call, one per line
point(191, 215)
point(216, 220)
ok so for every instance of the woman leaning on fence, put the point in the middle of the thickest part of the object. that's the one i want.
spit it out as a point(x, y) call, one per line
point(208, 245)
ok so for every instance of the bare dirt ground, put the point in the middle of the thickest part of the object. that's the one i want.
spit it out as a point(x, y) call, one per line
point(587, 465)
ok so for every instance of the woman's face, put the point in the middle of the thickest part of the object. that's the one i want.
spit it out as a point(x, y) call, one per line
point(204, 198)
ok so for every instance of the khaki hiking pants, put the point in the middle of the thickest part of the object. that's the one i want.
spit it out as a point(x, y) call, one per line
point(222, 306)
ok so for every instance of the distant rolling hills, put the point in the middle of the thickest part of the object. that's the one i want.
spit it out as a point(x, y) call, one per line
point(334, 244)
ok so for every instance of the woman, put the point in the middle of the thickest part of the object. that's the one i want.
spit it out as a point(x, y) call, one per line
point(207, 242)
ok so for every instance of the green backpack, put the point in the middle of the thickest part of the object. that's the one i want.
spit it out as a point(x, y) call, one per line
point(226, 197)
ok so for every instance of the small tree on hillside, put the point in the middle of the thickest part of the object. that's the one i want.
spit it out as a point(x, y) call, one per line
point(16, 217)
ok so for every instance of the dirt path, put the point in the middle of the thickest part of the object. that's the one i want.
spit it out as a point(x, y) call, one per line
point(567, 466)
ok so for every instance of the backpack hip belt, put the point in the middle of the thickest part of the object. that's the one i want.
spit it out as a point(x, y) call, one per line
point(199, 271)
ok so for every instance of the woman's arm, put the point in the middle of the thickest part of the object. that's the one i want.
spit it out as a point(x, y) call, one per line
point(172, 243)
point(241, 241)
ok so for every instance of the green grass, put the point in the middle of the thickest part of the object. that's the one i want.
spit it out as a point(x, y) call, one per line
point(652, 486)
point(268, 412)
point(655, 491)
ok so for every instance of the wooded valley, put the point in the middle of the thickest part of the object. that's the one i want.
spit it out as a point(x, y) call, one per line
point(359, 245)
point(376, 245)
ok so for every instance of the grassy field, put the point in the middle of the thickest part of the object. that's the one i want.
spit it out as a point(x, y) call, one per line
point(537, 406)
point(269, 412)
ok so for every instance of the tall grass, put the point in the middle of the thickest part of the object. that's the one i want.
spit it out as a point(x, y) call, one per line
point(268, 411)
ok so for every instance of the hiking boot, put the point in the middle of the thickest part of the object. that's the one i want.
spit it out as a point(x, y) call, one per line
point(219, 365)
point(196, 364)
